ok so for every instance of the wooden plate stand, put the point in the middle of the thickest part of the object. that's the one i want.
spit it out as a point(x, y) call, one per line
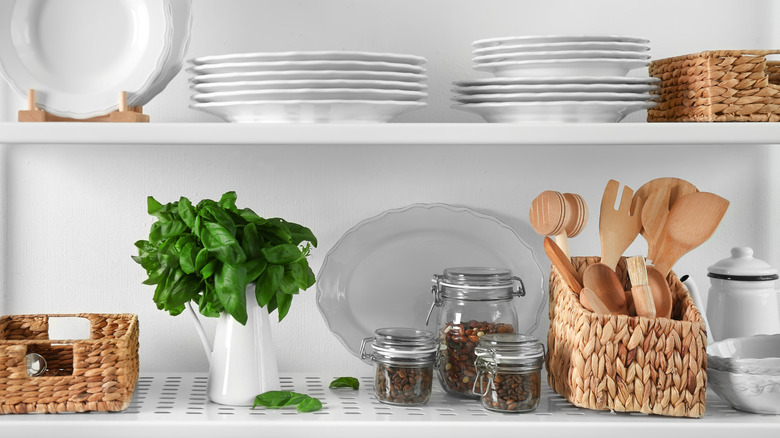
point(126, 113)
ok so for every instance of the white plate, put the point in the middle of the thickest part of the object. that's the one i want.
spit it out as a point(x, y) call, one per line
point(310, 94)
point(571, 80)
point(236, 67)
point(181, 19)
point(546, 47)
point(542, 39)
point(563, 67)
point(310, 56)
point(80, 73)
point(308, 111)
point(299, 75)
point(563, 54)
point(216, 87)
point(547, 97)
point(545, 88)
point(553, 112)
point(379, 273)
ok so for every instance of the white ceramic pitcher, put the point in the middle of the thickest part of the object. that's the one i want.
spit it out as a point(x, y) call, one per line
point(242, 363)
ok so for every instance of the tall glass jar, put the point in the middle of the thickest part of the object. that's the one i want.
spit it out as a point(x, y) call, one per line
point(404, 359)
point(475, 301)
point(509, 372)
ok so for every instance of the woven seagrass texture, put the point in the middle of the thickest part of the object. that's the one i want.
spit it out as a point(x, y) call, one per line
point(717, 86)
point(96, 374)
point(627, 364)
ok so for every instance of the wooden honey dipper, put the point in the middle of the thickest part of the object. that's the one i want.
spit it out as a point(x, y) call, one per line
point(559, 215)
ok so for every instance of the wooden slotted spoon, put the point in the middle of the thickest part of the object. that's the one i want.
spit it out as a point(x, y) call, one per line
point(618, 228)
point(691, 221)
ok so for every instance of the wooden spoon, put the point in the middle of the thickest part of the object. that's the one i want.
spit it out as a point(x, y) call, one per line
point(662, 294)
point(640, 289)
point(677, 189)
point(654, 214)
point(691, 221)
point(618, 228)
point(597, 306)
point(603, 281)
point(563, 264)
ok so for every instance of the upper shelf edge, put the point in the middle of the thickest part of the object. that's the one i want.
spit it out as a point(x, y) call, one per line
point(391, 133)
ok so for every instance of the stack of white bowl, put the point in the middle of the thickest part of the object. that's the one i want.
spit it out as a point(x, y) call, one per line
point(308, 87)
point(552, 78)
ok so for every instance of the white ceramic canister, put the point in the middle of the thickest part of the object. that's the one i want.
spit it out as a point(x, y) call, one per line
point(742, 298)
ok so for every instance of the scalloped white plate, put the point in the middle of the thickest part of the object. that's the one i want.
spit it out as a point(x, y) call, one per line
point(217, 87)
point(563, 54)
point(309, 75)
point(311, 94)
point(379, 273)
point(310, 56)
point(236, 67)
point(80, 74)
point(554, 112)
point(572, 45)
point(308, 111)
point(570, 80)
point(542, 39)
point(559, 88)
point(548, 97)
point(563, 67)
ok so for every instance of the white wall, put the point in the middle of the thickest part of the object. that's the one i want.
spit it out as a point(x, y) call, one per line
point(72, 213)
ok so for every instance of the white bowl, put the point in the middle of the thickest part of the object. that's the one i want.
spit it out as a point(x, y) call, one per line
point(746, 372)
point(758, 354)
point(755, 393)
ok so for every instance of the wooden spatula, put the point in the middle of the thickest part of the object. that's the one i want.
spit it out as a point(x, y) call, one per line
point(618, 228)
point(654, 214)
point(563, 264)
point(691, 221)
point(677, 188)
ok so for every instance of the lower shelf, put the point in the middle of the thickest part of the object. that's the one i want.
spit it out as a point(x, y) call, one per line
point(176, 406)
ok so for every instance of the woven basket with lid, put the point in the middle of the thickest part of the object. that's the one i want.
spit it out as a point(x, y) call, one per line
point(717, 86)
point(96, 374)
point(627, 364)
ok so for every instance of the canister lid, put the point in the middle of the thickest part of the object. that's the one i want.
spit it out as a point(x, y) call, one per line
point(477, 276)
point(510, 348)
point(742, 266)
point(477, 284)
point(404, 341)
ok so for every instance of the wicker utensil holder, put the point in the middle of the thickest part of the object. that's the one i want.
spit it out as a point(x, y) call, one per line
point(96, 374)
point(717, 86)
point(627, 364)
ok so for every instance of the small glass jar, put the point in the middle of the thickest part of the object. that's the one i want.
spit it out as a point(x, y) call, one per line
point(509, 372)
point(404, 359)
point(474, 301)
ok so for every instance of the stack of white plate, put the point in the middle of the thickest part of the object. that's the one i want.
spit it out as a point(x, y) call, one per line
point(308, 87)
point(79, 56)
point(558, 79)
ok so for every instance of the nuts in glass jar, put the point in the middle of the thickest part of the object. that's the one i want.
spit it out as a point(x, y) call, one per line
point(456, 366)
point(403, 385)
point(511, 392)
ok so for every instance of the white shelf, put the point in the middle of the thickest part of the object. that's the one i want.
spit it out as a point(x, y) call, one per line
point(176, 406)
point(393, 133)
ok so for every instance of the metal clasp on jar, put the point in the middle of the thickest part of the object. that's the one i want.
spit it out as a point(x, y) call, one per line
point(488, 368)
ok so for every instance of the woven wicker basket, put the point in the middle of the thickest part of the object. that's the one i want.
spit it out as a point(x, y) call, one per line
point(717, 86)
point(627, 364)
point(96, 374)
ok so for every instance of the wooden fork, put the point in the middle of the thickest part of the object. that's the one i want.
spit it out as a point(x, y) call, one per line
point(618, 228)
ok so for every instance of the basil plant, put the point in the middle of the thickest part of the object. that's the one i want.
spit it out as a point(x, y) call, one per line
point(208, 253)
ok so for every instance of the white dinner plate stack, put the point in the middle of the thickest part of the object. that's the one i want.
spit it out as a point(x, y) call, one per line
point(79, 56)
point(308, 87)
point(556, 78)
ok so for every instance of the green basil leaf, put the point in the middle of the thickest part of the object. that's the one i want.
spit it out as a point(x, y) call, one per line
point(208, 304)
point(172, 228)
point(271, 306)
point(187, 258)
point(300, 233)
point(222, 244)
point(220, 216)
point(201, 259)
point(289, 285)
point(252, 242)
point(155, 232)
point(272, 399)
point(187, 212)
point(230, 283)
point(228, 201)
point(152, 206)
point(282, 254)
point(266, 289)
point(311, 404)
point(254, 268)
point(209, 269)
point(276, 229)
point(345, 382)
point(284, 302)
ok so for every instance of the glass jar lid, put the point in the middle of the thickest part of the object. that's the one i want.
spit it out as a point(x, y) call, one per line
point(477, 283)
point(404, 345)
point(510, 349)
